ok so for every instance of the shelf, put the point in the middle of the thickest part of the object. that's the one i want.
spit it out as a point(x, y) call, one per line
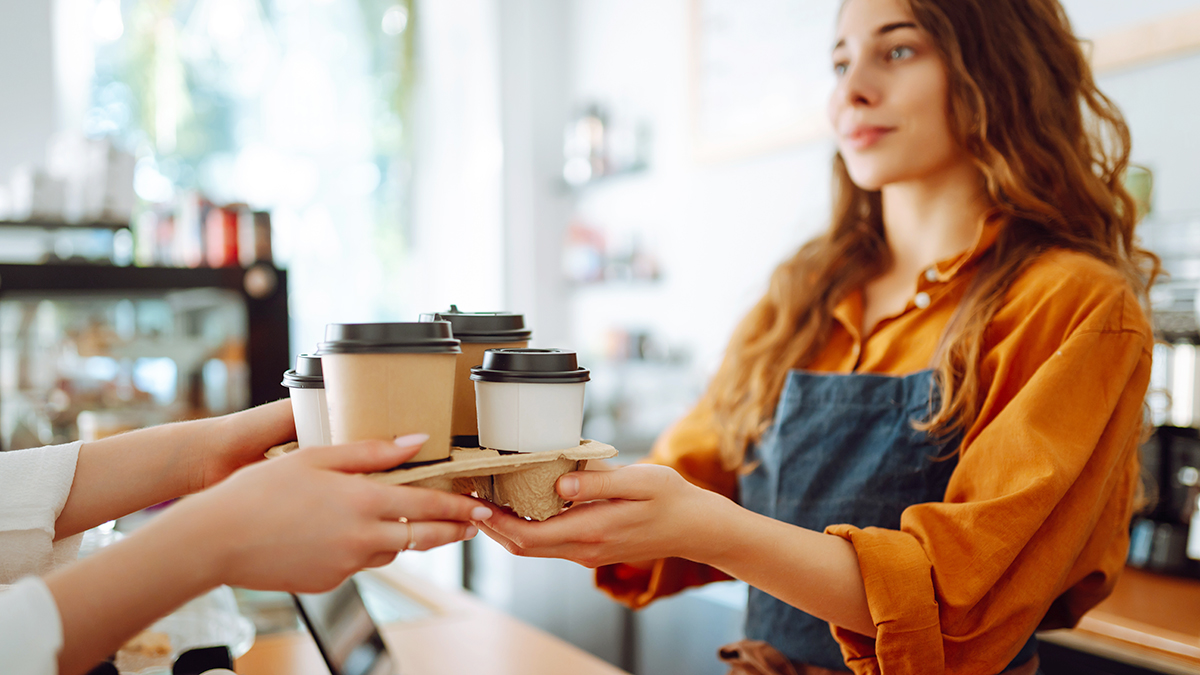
point(1163, 38)
point(81, 277)
point(62, 225)
point(605, 178)
point(610, 284)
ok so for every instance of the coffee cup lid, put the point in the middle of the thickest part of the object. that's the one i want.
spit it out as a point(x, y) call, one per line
point(530, 366)
point(483, 326)
point(426, 337)
point(306, 375)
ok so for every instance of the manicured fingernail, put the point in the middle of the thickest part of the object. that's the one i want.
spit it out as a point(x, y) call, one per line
point(471, 531)
point(481, 513)
point(411, 440)
point(568, 486)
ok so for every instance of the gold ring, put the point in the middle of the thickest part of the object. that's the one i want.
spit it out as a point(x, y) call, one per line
point(411, 542)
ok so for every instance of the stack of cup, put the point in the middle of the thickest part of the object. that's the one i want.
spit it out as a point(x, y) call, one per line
point(386, 380)
point(306, 389)
point(529, 400)
point(478, 332)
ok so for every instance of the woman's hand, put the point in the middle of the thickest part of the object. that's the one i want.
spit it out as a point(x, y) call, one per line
point(645, 512)
point(306, 521)
point(634, 513)
point(242, 438)
point(300, 523)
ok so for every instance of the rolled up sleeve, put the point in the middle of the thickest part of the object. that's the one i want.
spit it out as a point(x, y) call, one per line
point(1037, 510)
point(34, 485)
point(30, 629)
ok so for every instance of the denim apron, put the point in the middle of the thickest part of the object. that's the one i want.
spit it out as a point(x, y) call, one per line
point(841, 450)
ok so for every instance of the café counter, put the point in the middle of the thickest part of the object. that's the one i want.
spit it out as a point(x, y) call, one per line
point(459, 634)
point(1150, 624)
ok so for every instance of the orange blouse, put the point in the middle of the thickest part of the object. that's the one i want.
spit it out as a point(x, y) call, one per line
point(1033, 530)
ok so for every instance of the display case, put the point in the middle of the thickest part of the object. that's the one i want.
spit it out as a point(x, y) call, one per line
point(87, 351)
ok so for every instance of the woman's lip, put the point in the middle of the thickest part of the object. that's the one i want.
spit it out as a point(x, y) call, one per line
point(861, 138)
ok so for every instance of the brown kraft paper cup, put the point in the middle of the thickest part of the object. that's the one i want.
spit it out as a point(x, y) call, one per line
point(464, 422)
point(374, 392)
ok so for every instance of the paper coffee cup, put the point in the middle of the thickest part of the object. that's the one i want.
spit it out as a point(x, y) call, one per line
point(529, 400)
point(386, 380)
point(478, 332)
point(306, 389)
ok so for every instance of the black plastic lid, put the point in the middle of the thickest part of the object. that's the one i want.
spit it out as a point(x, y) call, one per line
point(483, 326)
point(427, 337)
point(530, 366)
point(306, 375)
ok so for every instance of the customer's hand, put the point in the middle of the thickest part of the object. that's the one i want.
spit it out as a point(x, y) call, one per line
point(242, 438)
point(306, 521)
point(300, 523)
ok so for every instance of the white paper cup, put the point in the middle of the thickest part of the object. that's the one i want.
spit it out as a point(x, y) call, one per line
point(306, 389)
point(529, 417)
point(529, 400)
point(312, 417)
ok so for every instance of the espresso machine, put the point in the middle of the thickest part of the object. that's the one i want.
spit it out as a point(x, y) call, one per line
point(1165, 536)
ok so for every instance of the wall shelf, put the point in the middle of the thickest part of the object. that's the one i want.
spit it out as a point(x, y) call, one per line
point(62, 225)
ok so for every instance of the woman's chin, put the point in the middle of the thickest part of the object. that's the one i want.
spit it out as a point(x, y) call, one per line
point(868, 181)
point(874, 176)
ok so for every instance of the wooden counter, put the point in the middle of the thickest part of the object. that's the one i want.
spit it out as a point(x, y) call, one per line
point(1150, 621)
point(463, 635)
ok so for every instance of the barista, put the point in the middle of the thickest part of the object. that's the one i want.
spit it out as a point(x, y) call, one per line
point(921, 446)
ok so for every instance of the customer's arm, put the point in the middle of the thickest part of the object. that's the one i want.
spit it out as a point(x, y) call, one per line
point(301, 523)
point(118, 475)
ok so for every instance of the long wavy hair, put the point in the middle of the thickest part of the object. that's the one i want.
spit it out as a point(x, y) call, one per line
point(1053, 152)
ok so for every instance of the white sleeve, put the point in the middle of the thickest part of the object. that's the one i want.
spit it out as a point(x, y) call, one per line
point(30, 629)
point(33, 490)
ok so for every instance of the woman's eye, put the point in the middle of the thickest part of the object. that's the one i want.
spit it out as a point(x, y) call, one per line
point(840, 68)
point(901, 53)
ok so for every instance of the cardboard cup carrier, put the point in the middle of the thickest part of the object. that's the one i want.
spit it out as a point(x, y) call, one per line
point(386, 380)
point(306, 389)
point(529, 400)
point(478, 332)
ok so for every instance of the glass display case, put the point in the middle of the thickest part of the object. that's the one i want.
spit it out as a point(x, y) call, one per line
point(89, 351)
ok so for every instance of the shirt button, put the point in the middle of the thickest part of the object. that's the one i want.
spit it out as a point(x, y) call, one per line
point(921, 300)
point(931, 274)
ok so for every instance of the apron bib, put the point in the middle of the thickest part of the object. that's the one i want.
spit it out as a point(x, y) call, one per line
point(841, 450)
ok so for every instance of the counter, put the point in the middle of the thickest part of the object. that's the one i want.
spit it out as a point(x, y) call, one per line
point(460, 635)
point(1150, 621)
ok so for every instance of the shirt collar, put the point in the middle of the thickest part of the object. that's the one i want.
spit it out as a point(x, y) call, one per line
point(849, 311)
point(951, 267)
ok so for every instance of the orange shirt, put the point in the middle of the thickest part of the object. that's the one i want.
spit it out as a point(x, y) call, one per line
point(1033, 529)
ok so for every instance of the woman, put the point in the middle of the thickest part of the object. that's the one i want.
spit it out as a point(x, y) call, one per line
point(301, 523)
point(951, 461)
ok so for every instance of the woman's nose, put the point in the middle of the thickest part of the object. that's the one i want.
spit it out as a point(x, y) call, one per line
point(857, 87)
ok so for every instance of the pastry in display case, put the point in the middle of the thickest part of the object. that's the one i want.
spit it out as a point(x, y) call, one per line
point(105, 350)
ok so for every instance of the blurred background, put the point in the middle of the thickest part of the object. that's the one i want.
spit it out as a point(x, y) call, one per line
point(191, 189)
